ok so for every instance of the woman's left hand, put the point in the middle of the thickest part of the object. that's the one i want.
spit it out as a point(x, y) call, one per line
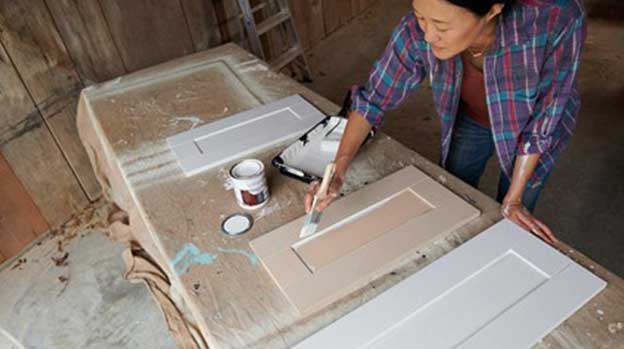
point(517, 213)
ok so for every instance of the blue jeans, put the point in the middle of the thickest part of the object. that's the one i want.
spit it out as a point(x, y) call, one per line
point(472, 145)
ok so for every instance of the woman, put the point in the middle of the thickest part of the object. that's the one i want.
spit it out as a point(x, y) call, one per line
point(503, 75)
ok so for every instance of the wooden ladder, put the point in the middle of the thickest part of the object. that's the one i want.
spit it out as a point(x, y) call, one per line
point(282, 18)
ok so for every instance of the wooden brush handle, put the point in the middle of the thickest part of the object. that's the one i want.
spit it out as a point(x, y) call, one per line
point(327, 178)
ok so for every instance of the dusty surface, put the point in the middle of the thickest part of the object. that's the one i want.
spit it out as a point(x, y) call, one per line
point(583, 200)
point(177, 219)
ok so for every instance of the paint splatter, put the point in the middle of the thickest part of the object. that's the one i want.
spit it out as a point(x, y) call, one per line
point(190, 255)
point(149, 164)
point(615, 327)
point(254, 68)
point(250, 255)
point(442, 179)
point(224, 174)
point(265, 211)
point(194, 120)
point(104, 85)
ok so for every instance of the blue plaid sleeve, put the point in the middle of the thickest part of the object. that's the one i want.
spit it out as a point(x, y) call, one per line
point(399, 71)
point(557, 90)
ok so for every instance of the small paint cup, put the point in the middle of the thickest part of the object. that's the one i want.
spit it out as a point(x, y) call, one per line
point(250, 184)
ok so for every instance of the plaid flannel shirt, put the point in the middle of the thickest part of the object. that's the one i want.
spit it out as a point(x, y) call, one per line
point(530, 80)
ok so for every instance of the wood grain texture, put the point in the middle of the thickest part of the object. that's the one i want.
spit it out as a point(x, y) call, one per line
point(358, 6)
point(222, 20)
point(336, 13)
point(20, 220)
point(18, 113)
point(31, 40)
point(232, 21)
point(147, 32)
point(87, 37)
point(63, 127)
point(309, 21)
point(31, 151)
point(202, 22)
point(42, 62)
point(40, 165)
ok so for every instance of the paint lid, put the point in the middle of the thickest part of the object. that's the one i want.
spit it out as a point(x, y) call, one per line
point(247, 168)
point(237, 224)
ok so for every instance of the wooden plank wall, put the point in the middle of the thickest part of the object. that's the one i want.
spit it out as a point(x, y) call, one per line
point(51, 49)
point(20, 219)
point(317, 19)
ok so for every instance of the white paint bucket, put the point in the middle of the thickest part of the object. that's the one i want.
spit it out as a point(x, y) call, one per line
point(250, 185)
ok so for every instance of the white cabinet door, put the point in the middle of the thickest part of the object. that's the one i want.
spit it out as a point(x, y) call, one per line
point(360, 237)
point(242, 134)
point(502, 289)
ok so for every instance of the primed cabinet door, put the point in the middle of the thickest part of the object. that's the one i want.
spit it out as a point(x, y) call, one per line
point(502, 289)
point(360, 237)
point(242, 134)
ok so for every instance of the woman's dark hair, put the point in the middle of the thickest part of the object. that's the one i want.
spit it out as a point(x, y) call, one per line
point(480, 7)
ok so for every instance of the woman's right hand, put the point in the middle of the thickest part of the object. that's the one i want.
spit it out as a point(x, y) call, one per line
point(354, 135)
point(332, 193)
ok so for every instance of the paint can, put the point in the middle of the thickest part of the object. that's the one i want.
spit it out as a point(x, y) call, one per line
point(250, 184)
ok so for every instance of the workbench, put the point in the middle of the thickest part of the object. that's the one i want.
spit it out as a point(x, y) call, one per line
point(227, 294)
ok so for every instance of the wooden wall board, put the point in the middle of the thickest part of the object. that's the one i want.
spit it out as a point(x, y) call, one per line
point(229, 20)
point(63, 127)
point(20, 219)
point(359, 6)
point(504, 288)
point(222, 20)
point(147, 32)
point(336, 13)
point(40, 165)
point(31, 40)
point(242, 134)
point(203, 23)
point(309, 21)
point(17, 105)
point(87, 37)
point(45, 67)
point(313, 274)
point(30, 149)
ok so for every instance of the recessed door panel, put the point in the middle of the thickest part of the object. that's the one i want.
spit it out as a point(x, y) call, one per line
point(502, 289)
point(360, 237)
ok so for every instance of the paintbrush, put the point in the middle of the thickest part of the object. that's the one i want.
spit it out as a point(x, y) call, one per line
point(314, 217)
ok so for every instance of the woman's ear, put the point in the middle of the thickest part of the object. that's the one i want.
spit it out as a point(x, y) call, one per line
point(494, 11)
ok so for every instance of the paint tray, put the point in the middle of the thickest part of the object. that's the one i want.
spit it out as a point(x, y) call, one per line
point(307, 158)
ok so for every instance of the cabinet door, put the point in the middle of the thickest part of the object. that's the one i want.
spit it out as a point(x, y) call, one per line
point(244, 133)
point(360, 237)
point(20, 220)
point(503, 289)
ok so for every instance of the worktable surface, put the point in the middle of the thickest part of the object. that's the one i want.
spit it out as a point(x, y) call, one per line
point(124, 124)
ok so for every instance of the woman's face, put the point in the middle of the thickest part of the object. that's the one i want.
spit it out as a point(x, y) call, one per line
point(451, 29)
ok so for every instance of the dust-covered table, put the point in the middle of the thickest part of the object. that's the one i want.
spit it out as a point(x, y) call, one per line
point(217, 283)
